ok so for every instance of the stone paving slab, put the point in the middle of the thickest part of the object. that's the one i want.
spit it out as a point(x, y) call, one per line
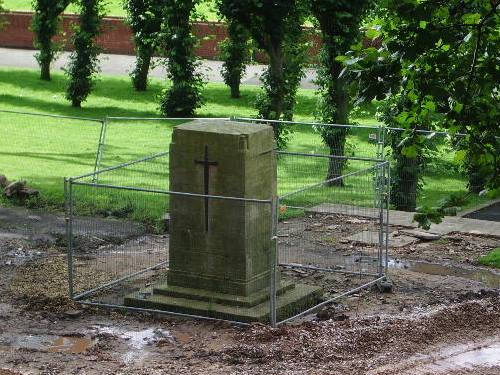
point(405, 219)
point(368, 237)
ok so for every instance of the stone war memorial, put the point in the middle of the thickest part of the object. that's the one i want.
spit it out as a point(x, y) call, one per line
point(221, 246)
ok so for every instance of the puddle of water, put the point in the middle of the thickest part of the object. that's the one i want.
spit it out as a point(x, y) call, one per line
point(52, 344)
point(488, 277)
point(183, 338)
point(449, 360)
point(466, 358)
point(33, 342)
point(364, 262)
point(137, 341)
point(73, 345)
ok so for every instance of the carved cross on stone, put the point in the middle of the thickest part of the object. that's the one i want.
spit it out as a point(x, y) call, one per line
point(206, 180)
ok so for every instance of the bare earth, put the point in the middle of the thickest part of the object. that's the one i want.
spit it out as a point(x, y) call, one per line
point(430, 324)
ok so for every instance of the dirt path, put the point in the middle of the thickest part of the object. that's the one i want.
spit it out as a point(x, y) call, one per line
point(430, 324)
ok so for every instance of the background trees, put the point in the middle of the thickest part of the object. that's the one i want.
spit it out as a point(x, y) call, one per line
point(267, 22)
point(339, 22)
point(46, 24)
point(438, 69)
point(178, 42)
point(83, 61)
point(235, 52)
point(145, 19)
point(2, 20)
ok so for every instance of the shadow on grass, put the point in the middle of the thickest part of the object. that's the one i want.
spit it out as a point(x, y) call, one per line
point(77, 158)
point(49, 97)
point(59, 108)
point(113, 87)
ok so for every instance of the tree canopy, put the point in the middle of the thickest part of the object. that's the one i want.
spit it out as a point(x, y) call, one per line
point(276, 27)
point(83, 63)
point(438, 69)
point(145, 19)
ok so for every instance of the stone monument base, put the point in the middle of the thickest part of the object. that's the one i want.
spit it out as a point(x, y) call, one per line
point(291, 300)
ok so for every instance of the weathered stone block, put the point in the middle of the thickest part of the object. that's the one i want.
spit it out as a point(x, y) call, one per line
point(216, 244)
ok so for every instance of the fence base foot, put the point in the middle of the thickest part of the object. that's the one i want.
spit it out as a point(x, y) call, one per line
point(385, 286)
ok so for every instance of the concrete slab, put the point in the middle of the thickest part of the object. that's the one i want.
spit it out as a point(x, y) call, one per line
point(368, 237)
point(422, 235)
point(405, 219)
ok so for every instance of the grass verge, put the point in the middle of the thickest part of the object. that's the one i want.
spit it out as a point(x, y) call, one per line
point(206, 8)
point(492, 259)
point(43, 150)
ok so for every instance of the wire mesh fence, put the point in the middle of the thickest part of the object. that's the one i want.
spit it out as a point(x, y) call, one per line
point(124, 251)
point(129, 138)
point(123, 245)
point(436, 175)
point(333, 233)
point(42, 149)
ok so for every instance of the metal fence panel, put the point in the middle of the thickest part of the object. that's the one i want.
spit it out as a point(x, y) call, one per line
point(119, 234)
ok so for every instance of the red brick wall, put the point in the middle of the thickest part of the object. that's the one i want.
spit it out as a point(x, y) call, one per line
point(116, 36)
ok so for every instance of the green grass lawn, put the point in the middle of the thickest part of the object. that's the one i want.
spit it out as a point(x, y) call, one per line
point(113, 8)
point(492, 259)
point(43, 150)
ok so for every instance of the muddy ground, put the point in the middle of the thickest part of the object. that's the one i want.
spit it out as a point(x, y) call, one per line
point(443, 316)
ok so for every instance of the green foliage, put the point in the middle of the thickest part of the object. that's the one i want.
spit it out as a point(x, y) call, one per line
point(448, 206)
point(455, 200)
point(441, 60)
point(492, 259)
point(275, 26)
point(295, 48)
point(115, 8)
point(2, 19)
point(83, 61)
point(426, 216)
point(46, 25)
point(235, 52)
point(67, 147)
point(178, 42)
point(144, 18)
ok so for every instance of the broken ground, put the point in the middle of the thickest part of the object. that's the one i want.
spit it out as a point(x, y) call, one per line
point(428, 324)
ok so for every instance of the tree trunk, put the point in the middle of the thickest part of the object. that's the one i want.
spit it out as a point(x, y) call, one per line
point(235, 56)
point(477, 180)
point(336, 165)
point(45, 70)
point(277, 95)
point(405, 177)
point(235, 90)
point(336, 138)
point(475, 176)
point(405, 184)
point(141, 71)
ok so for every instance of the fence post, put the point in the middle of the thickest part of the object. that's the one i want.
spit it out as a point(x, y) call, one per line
point(381, 133)
point(380, 191)
point(68, 197)
point(100, 148)
point(274, 261)
point(387, 197)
